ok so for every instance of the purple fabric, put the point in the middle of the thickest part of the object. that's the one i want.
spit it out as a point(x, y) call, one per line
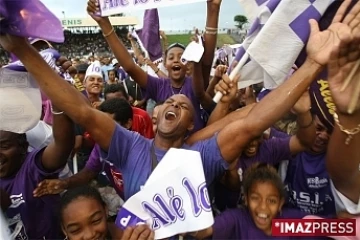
point(48, 118)
point(238, 224)
point(308, 184)
point(322, 104)
point(115, 177)
point(30, 18)
point(271, 151)
point(36, 217)
point(150, 34)
point(274, 133)
point(160, 89)
point(130, 154)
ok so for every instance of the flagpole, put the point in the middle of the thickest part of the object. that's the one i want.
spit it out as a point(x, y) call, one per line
point(233, 73)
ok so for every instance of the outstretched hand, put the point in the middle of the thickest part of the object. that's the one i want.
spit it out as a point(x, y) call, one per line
point(343, 58)
point(321, 43)
point(93, 8)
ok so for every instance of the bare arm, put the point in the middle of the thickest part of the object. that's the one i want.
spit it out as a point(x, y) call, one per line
point(62, 94)
point(57, 152)
point(121, 53)
point(342, 160)
point(234, 137)
point(212, 20)
point(209, 131)
point(198, 87)
point(137, 51)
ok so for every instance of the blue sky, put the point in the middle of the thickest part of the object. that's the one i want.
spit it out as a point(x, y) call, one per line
point(176, 18)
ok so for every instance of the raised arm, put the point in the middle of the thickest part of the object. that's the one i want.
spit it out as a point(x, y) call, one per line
point(117, 46)
point(343, 153)
point(199, 88)
point(210, 37)
point(57, 152)
point(61, 93)
point(235, 136)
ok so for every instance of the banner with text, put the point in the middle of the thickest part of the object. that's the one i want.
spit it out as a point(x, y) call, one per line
point(174, 200)
point(110, 7)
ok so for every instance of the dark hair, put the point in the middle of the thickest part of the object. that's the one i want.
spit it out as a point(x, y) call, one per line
point(262, 172)
point(174, 45)
point(121, 109)
point(114, 88)
point(159, 104)
point(75, 193)
point(21, 139)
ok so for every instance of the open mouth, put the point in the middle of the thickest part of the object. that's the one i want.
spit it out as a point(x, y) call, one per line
point(170, 116)
point(262, 218)
point(176, 68)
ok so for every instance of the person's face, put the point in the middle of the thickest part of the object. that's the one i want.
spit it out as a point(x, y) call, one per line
point(115, 95)
point(112, 76)
point(264, 204)
point(322, 137)
point(11, 153)
point(81, 76)
point(173, 64)
point(93, 85)
point(155, 117)
point(175, 117)
point(253, 147)
point(84, 219)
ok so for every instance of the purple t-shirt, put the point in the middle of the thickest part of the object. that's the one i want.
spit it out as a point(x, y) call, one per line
point(271, 151)
point(131, 154)
point(29, 217)
point(274, 133)
point(96, 165)
point(238, 224)
point(160, 89)
point(308, 184)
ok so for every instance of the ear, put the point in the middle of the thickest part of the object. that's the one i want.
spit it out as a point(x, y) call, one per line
point(246, 201)
point(282, 202)
point(63, 230)
point(24, 148)
point(128, 125)
point(191, 127)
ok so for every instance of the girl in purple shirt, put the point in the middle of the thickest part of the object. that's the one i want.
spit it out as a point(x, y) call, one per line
point(264, 198)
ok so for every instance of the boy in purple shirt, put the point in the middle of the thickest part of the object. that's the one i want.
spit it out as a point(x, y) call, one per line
point(20, 172)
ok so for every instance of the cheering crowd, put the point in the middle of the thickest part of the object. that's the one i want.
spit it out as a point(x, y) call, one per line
point(266, 154)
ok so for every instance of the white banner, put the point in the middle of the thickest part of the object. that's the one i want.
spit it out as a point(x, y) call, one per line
point(110, 7)
point(20, 101)
point(174, 200)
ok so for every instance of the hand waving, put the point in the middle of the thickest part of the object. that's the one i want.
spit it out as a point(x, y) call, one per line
point(343, 59)
point(320, 44)
point(50, 186)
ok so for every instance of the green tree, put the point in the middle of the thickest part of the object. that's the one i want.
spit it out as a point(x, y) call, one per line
point(240, 20)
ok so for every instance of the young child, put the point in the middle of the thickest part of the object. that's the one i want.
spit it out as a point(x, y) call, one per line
point(264, 197)
point(83, 214)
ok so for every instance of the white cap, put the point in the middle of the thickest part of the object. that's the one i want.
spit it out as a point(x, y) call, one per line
point(94, 70)
point(114, 61)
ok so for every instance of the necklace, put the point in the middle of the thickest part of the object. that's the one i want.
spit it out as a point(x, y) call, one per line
point(172, 89)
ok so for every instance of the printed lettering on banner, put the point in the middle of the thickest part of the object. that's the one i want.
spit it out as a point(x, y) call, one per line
point(110, 7)
point(313, 227)
point(174, 200)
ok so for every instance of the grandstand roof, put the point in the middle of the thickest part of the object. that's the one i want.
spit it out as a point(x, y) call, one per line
point(89, 22)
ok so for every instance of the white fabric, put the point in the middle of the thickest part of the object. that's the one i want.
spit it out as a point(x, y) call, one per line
point(272, 60)
point(108, 9)
point(4, 230)
point(94, 70)
point(20, 101)
point(251, 9)
point(276, 57)
point(342, 203)
point(40, 136)
point(114, 61)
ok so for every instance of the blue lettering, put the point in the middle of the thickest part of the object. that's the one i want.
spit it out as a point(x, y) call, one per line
point(176, 203)
point(204, 197)
point(159, 218)
point(193, 197)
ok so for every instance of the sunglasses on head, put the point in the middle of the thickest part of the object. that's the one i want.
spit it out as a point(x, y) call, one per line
point(179, 45)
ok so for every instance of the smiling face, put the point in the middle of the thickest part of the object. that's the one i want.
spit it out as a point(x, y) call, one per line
point(84, 218)
point(322, 137)
point(264, 203)
point(93, 85)
point(173, 64)
point(13, 149)
point(155, 117)
point(175, 117)
point(252, 148)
